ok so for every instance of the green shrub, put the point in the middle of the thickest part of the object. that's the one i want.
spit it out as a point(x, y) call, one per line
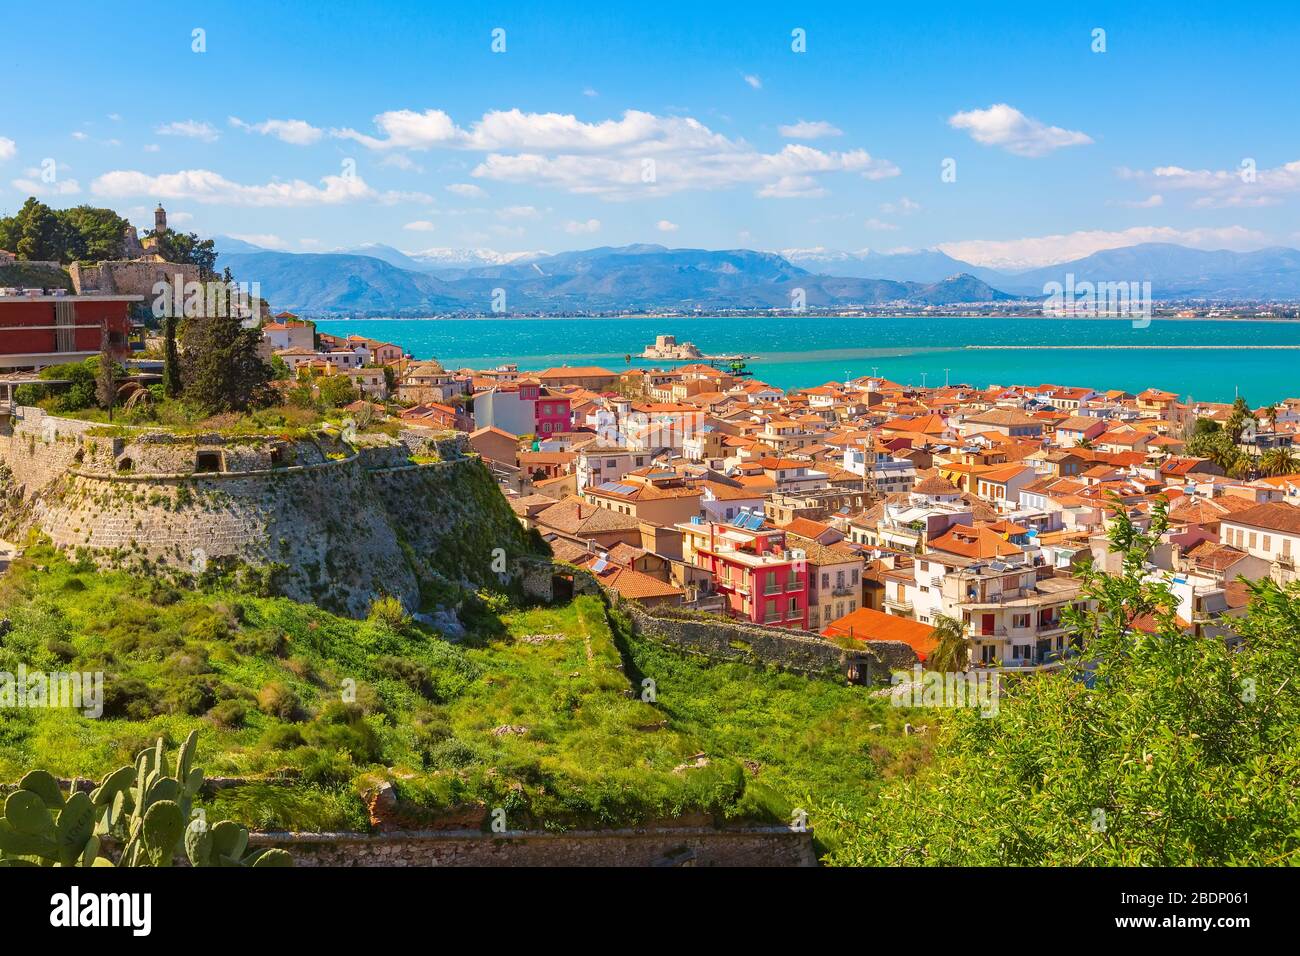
point(228, 714)
point(277, 699)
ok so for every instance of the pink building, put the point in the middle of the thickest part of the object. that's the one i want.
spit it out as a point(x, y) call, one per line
point(551, 413)
point(763, 580)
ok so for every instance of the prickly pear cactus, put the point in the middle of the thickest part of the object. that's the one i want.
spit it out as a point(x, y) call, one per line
point(145, 808)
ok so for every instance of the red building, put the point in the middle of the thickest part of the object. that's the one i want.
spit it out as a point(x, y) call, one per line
point(763, 581)
point(41, 330)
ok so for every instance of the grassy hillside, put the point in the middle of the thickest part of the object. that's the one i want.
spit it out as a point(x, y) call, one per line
point(535, 712)
point(22, 275)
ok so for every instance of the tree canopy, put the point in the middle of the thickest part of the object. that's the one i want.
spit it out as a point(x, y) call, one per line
point(1153, 746)
point(62, 235)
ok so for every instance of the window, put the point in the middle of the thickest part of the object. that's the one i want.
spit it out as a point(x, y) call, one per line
point(1268, 542)
point(208, 461)
point(794, 607)
point(1020, 620)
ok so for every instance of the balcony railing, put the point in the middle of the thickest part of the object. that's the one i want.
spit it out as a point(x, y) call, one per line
point(843, 590)
point(900, 603)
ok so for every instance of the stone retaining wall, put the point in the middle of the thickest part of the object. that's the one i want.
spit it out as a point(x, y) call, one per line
point(804, 652)
point(686, 846)
point(334, 525)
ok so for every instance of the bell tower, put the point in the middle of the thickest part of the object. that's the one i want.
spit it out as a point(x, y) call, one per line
point(159, 220)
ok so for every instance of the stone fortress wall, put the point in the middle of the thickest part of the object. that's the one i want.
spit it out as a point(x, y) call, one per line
point(336, 524)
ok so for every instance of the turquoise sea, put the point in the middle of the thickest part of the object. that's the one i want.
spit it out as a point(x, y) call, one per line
point(805, 351)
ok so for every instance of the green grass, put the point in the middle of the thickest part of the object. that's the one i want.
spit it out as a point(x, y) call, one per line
point(539, 711)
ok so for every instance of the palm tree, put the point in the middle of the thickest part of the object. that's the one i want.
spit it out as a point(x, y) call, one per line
point(952, 653)
point(1243, 467)
point(1279, 461)
point(1083, 443)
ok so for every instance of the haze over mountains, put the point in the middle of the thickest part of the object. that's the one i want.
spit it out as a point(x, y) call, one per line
point(379, 279)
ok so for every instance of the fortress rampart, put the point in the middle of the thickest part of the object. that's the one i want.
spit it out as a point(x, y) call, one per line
point(331, 523)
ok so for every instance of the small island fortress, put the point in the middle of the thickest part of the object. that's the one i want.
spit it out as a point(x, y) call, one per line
point(667, 347)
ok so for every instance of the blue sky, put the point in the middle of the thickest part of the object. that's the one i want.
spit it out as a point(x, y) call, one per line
point(313, 126)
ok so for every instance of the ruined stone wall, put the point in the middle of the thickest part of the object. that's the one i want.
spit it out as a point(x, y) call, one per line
point(129, 278)
point(804, 652)
point(667, 846)
point(335, 525)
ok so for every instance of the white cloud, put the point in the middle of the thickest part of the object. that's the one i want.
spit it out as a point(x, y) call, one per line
point(190, 129)
point(518, 212)
point(880, 226)
point(1243, 187)
point(663, 225)
point(420, 225)
point(754, 81)
point(589, 92)
point(637, 155)
point(79, 136)
point(401, 161)
point(900, 207)
point(33, 185)
point(1007, 127)
point(151, 147)
point(1151, 202)
point(8, 148)
point(805, 129)
point(295, 131)
point(206, 186)
point(580, 228)
point(466, 190)
point(1045, 250)
point(266, 240)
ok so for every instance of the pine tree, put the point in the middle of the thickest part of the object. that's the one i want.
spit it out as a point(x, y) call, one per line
point(105, 383)
point(171, 360)
point(221, 369)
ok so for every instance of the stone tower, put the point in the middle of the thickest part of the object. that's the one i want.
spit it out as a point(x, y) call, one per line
point(159, 220)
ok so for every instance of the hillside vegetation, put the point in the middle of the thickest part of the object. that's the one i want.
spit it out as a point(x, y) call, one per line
point(534, 712)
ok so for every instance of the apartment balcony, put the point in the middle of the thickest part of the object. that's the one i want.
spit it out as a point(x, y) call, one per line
point(769, 589)
point(844, 592)
point(900, 605)
point(734, 587)
point(978, 630)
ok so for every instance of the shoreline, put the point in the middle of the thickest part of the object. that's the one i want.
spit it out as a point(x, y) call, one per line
point(1137, 348)
point(763, 317)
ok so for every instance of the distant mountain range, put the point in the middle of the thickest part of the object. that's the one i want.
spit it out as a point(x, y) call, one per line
point(383, 281)
point(1174, 271)
point(378, 279)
